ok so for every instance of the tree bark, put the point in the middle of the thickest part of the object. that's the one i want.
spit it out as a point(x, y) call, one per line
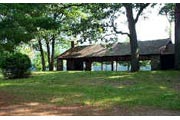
point(42, 55)
point(48, 53)
point(51, 68)
point(133, 39)
point(177, 36)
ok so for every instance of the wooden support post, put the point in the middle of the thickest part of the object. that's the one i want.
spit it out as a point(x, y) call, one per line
point(59, 65)
point(112, 65)
point(88, 65)
point(128, 66)
point(116, 66)
point(84, 65)
point(101, 66)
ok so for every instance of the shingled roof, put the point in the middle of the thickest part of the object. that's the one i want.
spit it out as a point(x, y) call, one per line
point(149, 47)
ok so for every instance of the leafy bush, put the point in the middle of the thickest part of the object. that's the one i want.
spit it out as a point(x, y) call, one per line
point(15, 65)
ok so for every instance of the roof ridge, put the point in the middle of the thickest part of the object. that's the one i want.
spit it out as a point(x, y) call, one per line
point(146, 47)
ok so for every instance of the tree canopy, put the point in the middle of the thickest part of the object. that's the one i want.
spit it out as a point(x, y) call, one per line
point(46, 26)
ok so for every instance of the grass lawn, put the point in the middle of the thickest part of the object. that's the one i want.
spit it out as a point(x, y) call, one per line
point(103, 91)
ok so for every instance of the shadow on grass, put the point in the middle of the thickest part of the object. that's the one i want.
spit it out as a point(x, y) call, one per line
point(97, 89)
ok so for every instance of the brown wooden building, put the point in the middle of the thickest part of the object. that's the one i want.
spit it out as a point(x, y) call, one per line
point(160, 52)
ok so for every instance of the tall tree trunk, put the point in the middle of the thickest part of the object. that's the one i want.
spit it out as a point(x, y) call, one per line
point(177, 36)
point(128, 66)
point(51, 67)
point(48, 53)
point(42, 55)
point(133, 39)
point(52, 54)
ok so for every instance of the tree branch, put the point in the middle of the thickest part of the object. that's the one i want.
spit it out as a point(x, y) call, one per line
point(118, 32)
point(142, 7)
point(107, 35)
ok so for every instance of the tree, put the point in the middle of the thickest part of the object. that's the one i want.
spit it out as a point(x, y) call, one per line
point(43, 22)
point(168, 11)
point(132, 20)
point(15, 65)
point(85, 20)
point(172, 13)
point(177, 36)
point(12, 25)
point(42, 55)
point(98, 19)
point(59, 17)
point(90, 26)
point(21, 23)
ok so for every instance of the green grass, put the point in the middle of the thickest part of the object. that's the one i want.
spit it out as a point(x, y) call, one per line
point(103, 89)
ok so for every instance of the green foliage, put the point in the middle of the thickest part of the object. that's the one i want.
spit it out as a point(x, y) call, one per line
point(14, 26)
point(92, 28)
point(168, 10)
point(37, 62)
point(145, 62)
point(124, 63)
point(15, 65)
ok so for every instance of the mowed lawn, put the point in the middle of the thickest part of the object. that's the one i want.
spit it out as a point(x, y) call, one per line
point(92, 93)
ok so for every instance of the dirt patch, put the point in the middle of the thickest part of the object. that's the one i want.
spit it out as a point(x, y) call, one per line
point(6, 98)
point(38, 109)
point(143, 111)
point(8, 108)
point(146, 110)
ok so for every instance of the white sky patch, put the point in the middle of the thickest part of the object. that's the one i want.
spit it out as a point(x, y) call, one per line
point(150, 26)
point(154, 27)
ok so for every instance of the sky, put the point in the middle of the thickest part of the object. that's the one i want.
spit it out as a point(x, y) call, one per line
point(154, 27)
point(151, 26)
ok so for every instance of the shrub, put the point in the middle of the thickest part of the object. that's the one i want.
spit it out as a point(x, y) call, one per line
point(15, 65)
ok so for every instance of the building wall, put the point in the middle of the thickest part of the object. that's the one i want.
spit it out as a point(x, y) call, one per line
point(88, 65)
point(70, 64)
point(77, 64)
point(74, 64)
point(155, 62)
point(167, 62)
